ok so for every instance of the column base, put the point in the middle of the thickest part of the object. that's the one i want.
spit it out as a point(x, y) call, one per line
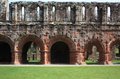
point(82, 63)
point(108, 63)
point(81, 59)
point(107, 59)
point(17, 58)
point(17, 63)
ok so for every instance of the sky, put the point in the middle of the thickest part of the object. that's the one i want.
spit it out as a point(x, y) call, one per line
point(69, 0)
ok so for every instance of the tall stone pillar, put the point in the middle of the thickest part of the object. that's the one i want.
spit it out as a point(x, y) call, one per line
point(3, 10)
point(16, 13)
point(17, 56)
point(46, 55)
point(19, 14)
point(104, 13)
point(81, 58)
point(50, 13)
point(78, 14)
point(80, 54)
point(108, 59)
point(45, 14)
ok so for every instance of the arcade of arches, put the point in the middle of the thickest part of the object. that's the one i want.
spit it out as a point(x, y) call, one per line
point(60, 50)
point(59, 32)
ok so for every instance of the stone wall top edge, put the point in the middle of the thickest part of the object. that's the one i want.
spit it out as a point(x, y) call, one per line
point(52, 2)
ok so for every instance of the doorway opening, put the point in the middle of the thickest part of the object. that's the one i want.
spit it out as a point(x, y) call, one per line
point(31, 53)
point(5, 53)
point(60, 53)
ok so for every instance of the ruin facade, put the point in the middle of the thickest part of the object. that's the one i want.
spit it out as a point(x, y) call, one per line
point(64, 31)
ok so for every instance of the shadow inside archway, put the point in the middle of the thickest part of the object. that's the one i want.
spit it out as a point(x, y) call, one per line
point(5, 53)
point(60, 53)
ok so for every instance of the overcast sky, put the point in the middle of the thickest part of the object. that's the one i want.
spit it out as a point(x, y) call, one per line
point(70, 0)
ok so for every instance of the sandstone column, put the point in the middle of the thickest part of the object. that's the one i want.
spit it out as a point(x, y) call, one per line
point(107, 56)
point(46, 55)
point(17, 55)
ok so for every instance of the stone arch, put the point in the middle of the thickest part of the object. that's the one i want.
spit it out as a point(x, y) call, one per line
point(100, 47)
point(66, 40)
point(7, 46)
point(111, 44)
point(29, 39)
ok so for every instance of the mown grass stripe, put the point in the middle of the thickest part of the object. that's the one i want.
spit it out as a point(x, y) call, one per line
point(81, 72)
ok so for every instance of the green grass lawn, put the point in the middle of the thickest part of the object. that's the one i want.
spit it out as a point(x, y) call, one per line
point(78, 72)
point(116, 61)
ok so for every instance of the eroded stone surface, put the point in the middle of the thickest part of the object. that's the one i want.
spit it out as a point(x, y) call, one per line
point(79, 25)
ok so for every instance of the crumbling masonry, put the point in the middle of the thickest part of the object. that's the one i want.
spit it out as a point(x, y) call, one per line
point(72, 27)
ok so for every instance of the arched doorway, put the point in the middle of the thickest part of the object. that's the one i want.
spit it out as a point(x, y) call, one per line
point(60, 53)
point(5, 53)
point(94, 52)
point(30, 53)
point(31, 48)
point(92, 55)
point(115, 51)
point(67, 46)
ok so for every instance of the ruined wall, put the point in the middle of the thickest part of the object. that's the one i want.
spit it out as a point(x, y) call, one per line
point(3, 10)
point(83, 23)
point(81, 18)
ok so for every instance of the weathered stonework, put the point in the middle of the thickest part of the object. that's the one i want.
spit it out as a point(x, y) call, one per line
point(78, 25)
